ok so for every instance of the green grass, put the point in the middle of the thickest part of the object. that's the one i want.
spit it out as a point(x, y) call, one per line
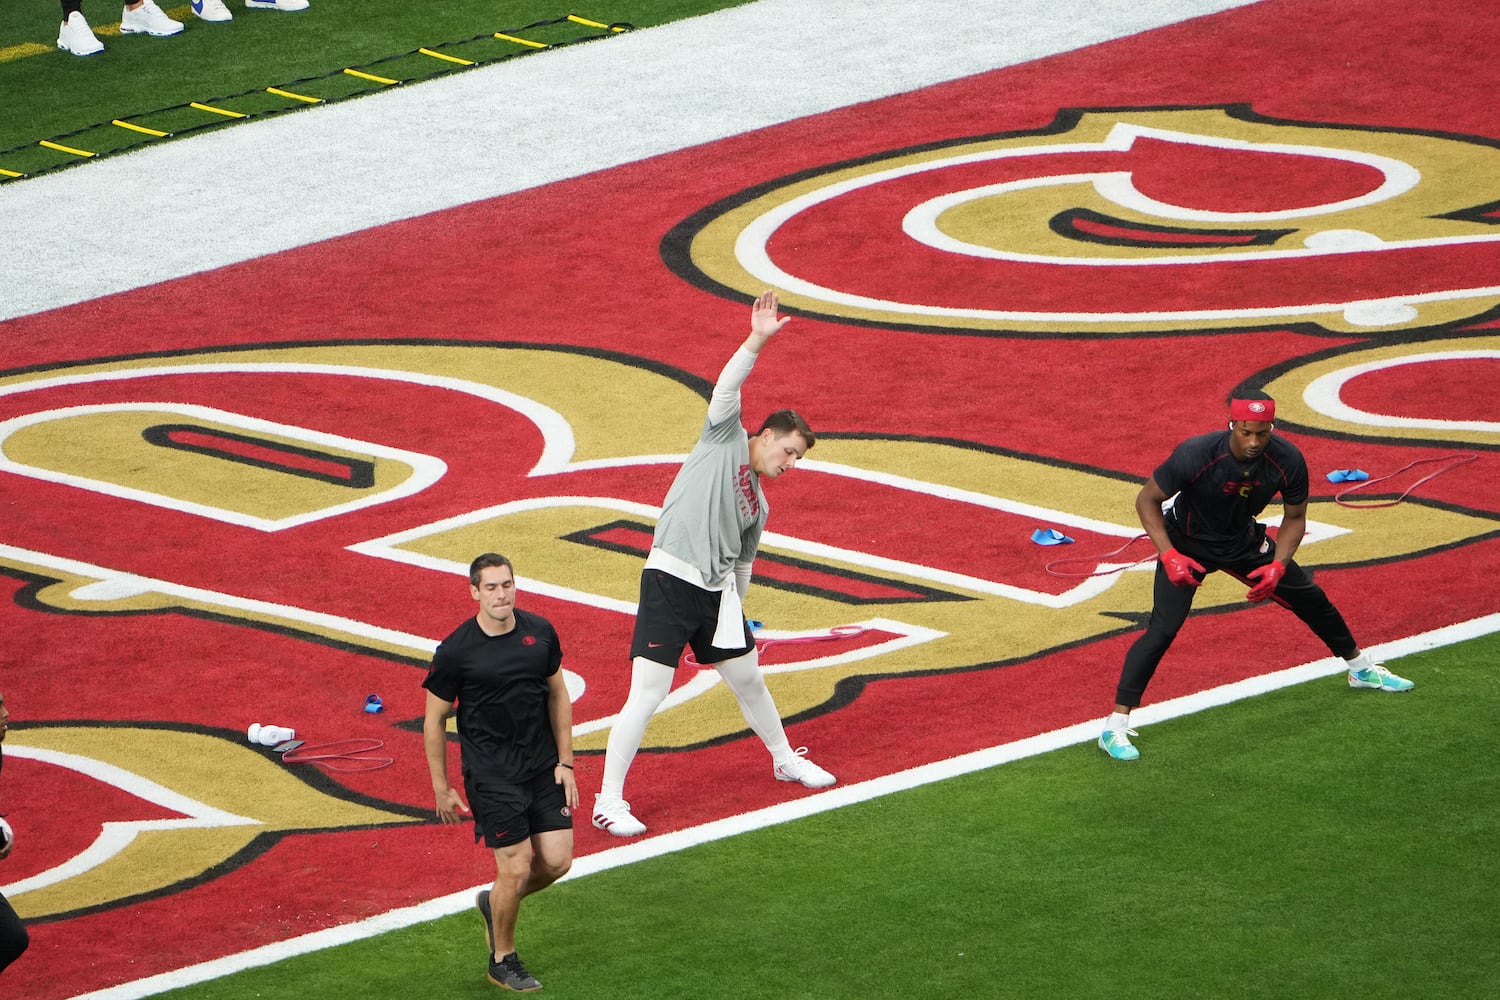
point(1313, 843)
point(53, 94)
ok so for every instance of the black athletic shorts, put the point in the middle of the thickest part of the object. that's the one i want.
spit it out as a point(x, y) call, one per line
point(673, 614)
point(507, 814)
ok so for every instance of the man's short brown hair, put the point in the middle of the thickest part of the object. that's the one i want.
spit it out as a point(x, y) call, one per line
point(783, 422)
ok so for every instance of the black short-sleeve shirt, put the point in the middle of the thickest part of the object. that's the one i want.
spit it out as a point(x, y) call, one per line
point(501, 685)
point(1219, 496)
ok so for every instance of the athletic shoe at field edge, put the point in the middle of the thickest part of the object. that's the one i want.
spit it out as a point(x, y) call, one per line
point(276, 4)
point(1116, 743)
point(1379, 678)
point(511, 974)
point(613, 816)
point(77, 37)
point(212, 10)
point(800, 769)
point(147, 19)
point(483, 902)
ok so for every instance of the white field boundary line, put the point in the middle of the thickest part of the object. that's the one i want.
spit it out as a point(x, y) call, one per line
point(834, 798)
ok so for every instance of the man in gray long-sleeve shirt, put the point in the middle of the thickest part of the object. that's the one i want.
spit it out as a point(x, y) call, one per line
point(694, 583)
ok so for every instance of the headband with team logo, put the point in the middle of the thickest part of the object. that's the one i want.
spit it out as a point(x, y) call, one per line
point(1252, 409)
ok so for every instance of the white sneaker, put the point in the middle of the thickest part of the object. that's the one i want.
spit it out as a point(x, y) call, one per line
point(613, 816)
point(77, 37)
point(147, 19)
point(212, 10)
point(276, 4)
point(799, 768)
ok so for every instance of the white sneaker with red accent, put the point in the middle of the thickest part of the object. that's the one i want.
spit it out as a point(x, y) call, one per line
point(799, 769)
point(613, 816)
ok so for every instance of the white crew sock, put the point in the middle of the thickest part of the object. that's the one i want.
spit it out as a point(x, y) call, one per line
point(1117, 720)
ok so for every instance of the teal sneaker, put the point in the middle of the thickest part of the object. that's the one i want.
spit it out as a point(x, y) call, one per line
point(1379, 678)
point(1116, 743)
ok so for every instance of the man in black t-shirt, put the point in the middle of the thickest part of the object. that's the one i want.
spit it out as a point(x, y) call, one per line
point(503, 669)
point(1221, 482)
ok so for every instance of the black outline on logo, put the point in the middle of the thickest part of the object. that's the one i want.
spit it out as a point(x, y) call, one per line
point(676, 246)
point(361, 474)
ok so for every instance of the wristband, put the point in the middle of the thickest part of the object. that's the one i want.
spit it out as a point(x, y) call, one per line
point(568, 766)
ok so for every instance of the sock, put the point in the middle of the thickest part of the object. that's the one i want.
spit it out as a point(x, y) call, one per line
point(1117, 720)
point(1360, 662)
point(744, 678)
point(649, 684)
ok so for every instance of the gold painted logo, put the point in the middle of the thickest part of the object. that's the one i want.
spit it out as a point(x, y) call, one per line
point(1122, 221)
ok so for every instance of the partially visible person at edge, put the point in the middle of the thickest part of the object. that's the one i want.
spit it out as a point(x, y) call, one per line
point(1222, 481)
point(144, 17)
point(694, 582)
point(13, 936)
point(503, 668)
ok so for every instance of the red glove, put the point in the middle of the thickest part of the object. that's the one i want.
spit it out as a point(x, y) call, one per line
point(1266, 578)
point(1180, 568)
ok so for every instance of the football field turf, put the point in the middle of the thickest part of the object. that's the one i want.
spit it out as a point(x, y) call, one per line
point(1309, 842)
point(1312, 842)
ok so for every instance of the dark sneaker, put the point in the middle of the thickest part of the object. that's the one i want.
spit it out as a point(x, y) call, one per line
point(512, 975)
point(483, 902)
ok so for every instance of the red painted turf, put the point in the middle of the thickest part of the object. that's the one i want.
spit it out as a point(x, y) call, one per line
point(553, 266)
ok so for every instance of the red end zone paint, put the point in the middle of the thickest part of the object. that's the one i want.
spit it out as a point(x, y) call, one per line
point(1057, 400)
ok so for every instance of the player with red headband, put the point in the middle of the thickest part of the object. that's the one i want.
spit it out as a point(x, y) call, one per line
point(1218, 484)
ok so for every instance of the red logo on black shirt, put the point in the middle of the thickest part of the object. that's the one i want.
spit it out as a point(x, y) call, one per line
point(528, 640)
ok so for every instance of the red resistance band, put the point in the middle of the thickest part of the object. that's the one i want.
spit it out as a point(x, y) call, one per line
point(356, 755)
point(1448, 462)
point(837, 632)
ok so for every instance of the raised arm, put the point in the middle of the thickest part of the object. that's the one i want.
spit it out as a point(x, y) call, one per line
point(764, 323)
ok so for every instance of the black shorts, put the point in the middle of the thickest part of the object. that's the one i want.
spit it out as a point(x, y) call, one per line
point(673, 614)
point(507, 814)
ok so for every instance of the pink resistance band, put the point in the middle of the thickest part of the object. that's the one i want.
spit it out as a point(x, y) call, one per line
point(1252, 409)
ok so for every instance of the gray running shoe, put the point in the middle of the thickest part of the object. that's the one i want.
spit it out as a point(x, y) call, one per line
point(512, 975)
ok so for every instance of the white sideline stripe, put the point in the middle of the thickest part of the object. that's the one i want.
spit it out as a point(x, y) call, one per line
point(811, 805)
